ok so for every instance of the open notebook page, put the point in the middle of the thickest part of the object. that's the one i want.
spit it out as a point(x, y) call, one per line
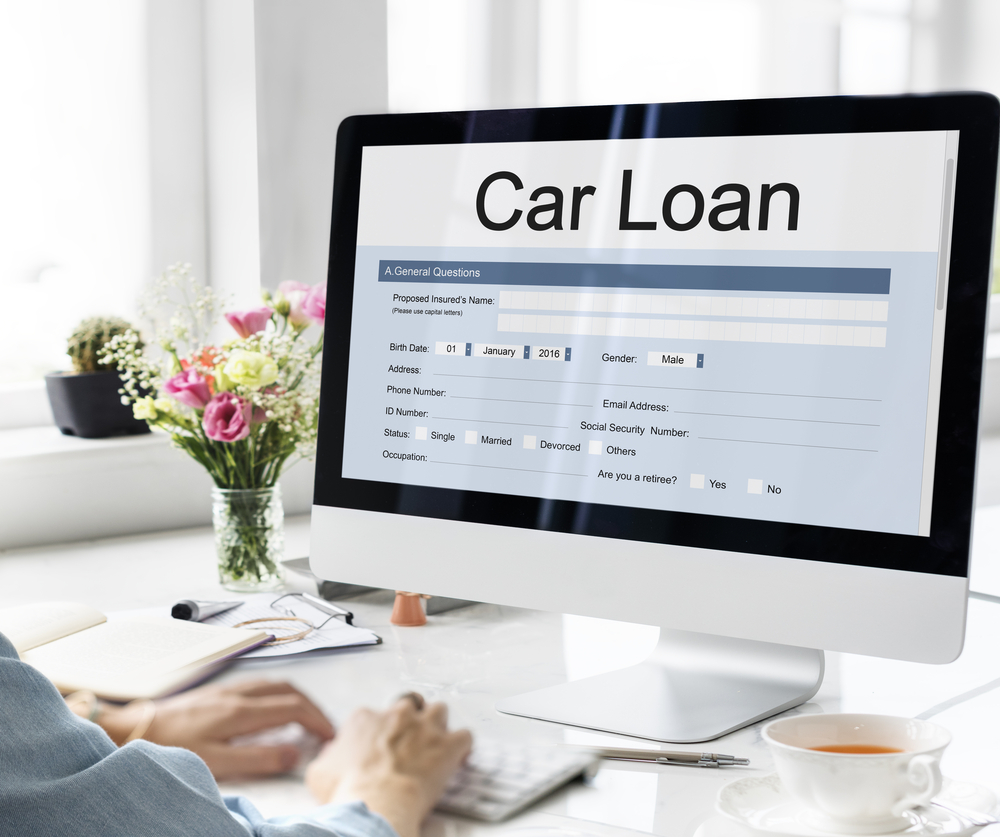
point(30, 625)
point(138, 657)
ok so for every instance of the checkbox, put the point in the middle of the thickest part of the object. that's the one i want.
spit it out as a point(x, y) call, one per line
point(421, 434)
point(697, 480)
point(595, 447)
point(470, 437)
point(529, 442)
point(755, 486)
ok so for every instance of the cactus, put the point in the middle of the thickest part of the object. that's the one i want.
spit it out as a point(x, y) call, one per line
point(88, 338)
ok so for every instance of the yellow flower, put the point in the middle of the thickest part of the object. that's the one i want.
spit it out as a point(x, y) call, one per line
point(163, 405)
point(145, 409)
point(251, 369)
point(222, 380)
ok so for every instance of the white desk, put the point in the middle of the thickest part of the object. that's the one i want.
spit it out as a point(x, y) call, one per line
point(470, 657)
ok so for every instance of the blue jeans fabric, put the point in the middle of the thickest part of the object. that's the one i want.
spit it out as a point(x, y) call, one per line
point(61, 776)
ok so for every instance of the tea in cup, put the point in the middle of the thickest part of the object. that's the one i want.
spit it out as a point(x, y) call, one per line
point(859, 774)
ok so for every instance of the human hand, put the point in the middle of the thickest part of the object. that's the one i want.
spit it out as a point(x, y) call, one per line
point(397, 762)
point(204, 720)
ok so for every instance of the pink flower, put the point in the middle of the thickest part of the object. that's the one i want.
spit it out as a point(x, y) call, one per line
point(295, 293)
point(227, 418)
point(249, 322)
point(314, 305)
point(189, 388)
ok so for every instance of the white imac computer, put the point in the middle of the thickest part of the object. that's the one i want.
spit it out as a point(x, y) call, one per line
point(714, 367)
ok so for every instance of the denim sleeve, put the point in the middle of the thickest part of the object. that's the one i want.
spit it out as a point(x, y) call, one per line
point(351, 819)
point(61, 776)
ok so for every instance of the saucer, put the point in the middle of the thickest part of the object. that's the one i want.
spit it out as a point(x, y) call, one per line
point(762, 804)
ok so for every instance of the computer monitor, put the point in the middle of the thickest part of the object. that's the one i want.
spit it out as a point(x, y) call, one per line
point(709, 366)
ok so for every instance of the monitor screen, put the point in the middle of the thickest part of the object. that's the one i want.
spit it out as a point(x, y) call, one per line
point(724, 326)
point(686, 325)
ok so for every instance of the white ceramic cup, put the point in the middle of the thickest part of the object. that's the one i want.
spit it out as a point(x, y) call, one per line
point(858, 793)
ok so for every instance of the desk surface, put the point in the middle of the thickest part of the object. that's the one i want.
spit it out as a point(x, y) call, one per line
point(471, 657)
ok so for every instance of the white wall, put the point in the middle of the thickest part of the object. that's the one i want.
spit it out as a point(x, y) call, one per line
point(178, 191)
point(955, 45)
point(317, 62)
point(231, 151)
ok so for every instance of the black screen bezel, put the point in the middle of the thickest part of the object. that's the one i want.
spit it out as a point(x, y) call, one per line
point(944, 552)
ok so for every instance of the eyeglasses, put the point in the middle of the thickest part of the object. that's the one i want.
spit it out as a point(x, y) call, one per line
point(316, 603)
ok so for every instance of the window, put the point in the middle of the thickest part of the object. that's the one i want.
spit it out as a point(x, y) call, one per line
point(73, 160)
point(80, 237)
point(447, 54)
point(875, 37)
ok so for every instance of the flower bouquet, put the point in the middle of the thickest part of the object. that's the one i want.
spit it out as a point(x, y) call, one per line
point(243, 409)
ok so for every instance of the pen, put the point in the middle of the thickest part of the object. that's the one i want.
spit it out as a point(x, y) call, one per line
point(195, 611)
point(666, 757)
point(327, 607)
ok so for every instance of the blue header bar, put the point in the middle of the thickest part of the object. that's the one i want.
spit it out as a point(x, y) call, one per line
point(693, 277)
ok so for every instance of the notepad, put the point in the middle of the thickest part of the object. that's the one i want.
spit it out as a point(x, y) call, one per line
point(76, 647)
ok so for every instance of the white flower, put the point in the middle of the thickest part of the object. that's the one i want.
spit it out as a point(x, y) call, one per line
point(144, 409)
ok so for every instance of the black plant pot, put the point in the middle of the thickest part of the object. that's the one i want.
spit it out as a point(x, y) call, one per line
point(88, 405)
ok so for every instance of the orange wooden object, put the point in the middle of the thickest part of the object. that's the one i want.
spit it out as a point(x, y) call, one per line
point(408, 610)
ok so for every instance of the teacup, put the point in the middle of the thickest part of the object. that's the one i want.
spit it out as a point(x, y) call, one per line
point(871, 771)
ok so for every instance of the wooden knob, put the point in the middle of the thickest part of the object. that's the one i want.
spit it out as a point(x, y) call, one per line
point(407, 610)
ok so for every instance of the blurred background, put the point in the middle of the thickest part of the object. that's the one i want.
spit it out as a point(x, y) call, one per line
point(140, 133)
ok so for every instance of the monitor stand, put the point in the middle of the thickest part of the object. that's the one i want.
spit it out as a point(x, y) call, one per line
point(693, 687)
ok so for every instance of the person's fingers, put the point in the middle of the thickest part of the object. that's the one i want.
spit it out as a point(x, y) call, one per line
point(258, 688)
point(461, 740)
point(408, 703)
point(437, 713)
point(253, 714)
point(415, 697)
point(319, 724)
point(360, 724)
point(398, 720)
point(325, 749)
point(403, 709)
point(363, 716)
point(228, 762)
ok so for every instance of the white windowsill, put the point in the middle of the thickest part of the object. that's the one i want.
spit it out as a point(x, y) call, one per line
point(48, 441)
point(24, 405)
point(56, 488)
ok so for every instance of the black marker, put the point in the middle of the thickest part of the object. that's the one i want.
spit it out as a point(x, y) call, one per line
point(193, 611)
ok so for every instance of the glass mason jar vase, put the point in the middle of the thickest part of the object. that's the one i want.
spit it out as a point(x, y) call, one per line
point(249, 537)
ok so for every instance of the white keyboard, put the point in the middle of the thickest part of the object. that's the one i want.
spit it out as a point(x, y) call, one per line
point(498, 780)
